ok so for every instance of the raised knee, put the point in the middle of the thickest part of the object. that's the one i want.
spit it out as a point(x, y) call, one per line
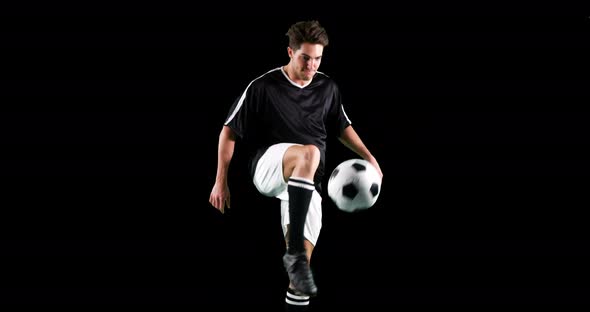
point(310, 153)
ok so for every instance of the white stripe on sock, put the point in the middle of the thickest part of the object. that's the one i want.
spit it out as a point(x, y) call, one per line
point(304, 180)
point(298, 297)
point(299, 303)
point(302, 185)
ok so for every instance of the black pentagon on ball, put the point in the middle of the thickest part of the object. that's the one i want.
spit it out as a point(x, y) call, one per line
point(359, 167)
point(375, 189)
point(334, 173)
point(349, 190)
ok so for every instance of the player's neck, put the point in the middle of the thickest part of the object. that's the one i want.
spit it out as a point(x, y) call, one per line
point(287, 69)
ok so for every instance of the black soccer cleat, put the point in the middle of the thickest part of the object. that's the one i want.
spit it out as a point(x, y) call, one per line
point(299, 273)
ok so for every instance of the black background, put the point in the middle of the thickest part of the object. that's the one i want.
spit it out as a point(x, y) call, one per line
point(109, 127)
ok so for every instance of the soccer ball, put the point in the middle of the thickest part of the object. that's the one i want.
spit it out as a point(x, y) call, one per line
point(354, 185)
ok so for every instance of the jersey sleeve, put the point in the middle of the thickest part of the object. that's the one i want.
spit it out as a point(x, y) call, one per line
point(337, 119)
point(242, 112)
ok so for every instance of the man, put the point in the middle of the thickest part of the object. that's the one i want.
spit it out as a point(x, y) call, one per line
point(284, 118)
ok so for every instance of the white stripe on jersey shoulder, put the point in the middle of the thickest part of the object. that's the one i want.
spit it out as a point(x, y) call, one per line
point(241, 101)
point(319, 72)
point(342, 107)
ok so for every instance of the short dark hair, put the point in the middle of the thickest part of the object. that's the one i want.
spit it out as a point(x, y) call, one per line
point(307, 32)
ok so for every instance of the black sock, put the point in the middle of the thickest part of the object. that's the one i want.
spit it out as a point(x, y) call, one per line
point(295, 302)
point(300, 191)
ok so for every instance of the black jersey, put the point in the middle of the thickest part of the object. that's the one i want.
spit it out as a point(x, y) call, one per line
point(273, 109)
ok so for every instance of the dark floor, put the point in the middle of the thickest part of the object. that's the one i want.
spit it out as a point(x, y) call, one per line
point(149, 240)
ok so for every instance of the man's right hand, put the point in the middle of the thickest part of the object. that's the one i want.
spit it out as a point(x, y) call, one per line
point(220, 196)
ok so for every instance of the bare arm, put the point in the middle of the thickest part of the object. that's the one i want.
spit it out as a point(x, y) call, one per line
point(220, 195)
point(351, 139)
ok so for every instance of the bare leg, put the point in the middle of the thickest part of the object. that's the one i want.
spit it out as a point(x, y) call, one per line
point(301, 161)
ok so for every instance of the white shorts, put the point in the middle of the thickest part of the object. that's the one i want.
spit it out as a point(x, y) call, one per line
point(269, 180)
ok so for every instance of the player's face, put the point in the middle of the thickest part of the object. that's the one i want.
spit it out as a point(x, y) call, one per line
point(306, 60)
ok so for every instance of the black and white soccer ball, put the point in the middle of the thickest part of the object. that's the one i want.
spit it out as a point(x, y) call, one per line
point(354, 185)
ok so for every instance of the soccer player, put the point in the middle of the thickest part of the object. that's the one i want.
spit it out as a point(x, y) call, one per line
point(283, 118)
